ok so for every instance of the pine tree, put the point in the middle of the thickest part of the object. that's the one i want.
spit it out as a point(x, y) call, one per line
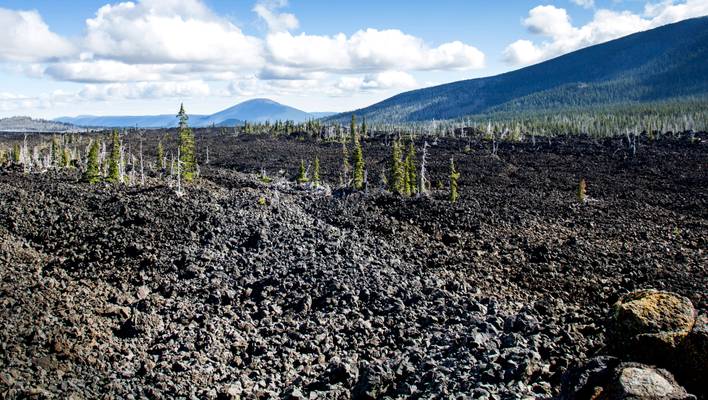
point(114, 166)
point(454, 176)
point(161, 155)
point(358, 164)
point(187, 146)
point(91, 175)
point(16, 153)
point(411, 175)
point(302, 175)
point(363, 127)
point(55, 152)
point(398, 176)
point(352, 128)
point(65, 158)
point(582, 187)
point(316, 172)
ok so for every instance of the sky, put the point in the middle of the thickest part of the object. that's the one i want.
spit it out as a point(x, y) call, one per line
point(96, 57)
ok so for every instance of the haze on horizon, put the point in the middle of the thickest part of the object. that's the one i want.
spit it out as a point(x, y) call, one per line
point(147, 56)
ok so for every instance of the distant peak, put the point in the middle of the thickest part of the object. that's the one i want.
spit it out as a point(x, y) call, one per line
point(262, 100)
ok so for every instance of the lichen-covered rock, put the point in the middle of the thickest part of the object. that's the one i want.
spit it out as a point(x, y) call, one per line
point(649, 325)
point(604, 378)
point(633, 381)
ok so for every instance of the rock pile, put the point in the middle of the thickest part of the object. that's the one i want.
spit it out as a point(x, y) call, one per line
point(653, 329)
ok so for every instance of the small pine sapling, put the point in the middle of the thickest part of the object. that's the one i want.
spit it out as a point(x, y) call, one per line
point(454, 176)
point(302, 175)
point(161, 156)
point(65, 158)
point(187, 147)
point(114, 161)
point(316, 172)
point(358, 164)
point(55, 152)
point(16, 154)
point(92, 175)
point(582, 188)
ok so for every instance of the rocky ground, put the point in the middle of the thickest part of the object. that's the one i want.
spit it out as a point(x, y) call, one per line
point(248, 289)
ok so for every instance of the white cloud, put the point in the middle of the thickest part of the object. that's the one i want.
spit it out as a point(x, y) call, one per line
point(277, 22)
point(168, 31)
point(105, 71)
point(381, 81)
point(105, 92)
point(24, 37)
point(369, 49)
point(522, 52)
point(562, 37)
point(143, 90)
point(585, 3)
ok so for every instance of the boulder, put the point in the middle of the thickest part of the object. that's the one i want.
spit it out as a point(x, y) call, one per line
point(650, 325)
point(693, 358)
point(604, 378)
point(633, 381)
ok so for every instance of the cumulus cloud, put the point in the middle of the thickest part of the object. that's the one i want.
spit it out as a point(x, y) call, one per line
point(381, 81)
point(277, 22)
point(369, 49)
point(24, 37)
point(105, 92)
point(168, 31)
point(562, 37)
point(585, 3)
point(143, 90)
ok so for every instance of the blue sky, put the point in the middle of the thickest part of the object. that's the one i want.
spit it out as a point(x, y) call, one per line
point(98, 57)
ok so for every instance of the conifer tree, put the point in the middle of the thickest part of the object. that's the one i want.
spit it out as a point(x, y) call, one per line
point(411, 175)
point(316, 172)
point(352, 128)
point(55, 152)
point(363, 127)
point(65, 158)
point(358, 164)
point(188, 160)
point(114, 166)
point(91, 175)
point(161, 155)
point(302, 175)
point(398, 176)
point(454, 176)
point(582, 187)
point(16, 153)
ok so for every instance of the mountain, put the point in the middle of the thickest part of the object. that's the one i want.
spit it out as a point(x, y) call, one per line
point(146, 121)
point(658, 64)
point(27, 124)
point(256, 110)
